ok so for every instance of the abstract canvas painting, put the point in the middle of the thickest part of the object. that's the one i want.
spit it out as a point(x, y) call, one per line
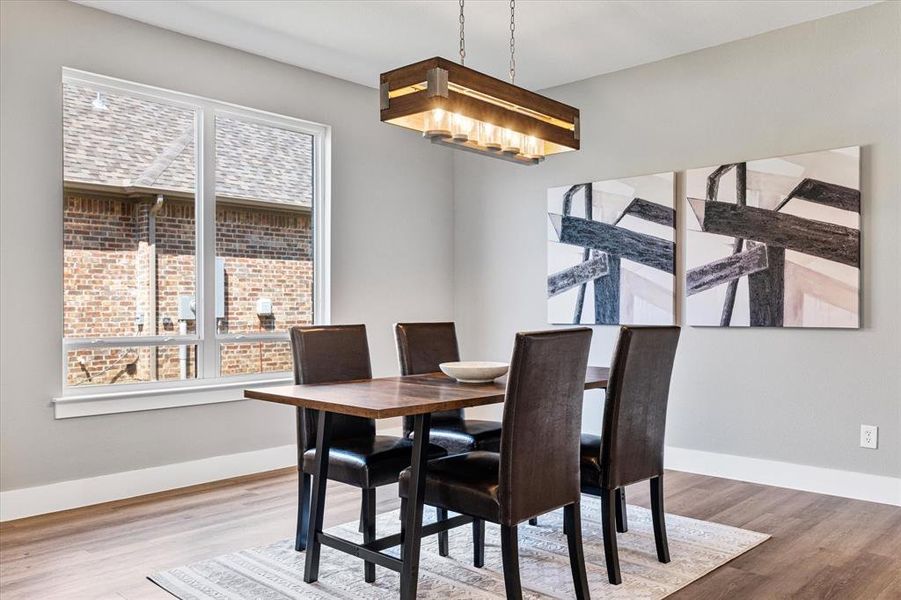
point(611, 252)
point(775, 242)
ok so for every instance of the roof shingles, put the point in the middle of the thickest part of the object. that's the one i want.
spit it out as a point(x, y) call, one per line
point(135, 142)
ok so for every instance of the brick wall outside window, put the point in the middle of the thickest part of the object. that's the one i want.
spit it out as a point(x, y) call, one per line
point(114, 243)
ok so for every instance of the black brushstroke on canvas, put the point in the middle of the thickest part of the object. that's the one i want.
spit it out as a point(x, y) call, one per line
point(825, 240)
point(827, 194)
point(586, 253)
point(766, 290)
point(649, 211)
point(741, 180)
point(568, 199)
point(726, 270)
point(713, 181)
point(580, 274)
point(606, 294)
point(637, 247)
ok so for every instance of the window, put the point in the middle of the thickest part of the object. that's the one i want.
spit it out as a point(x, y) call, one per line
point(265, 251)
point(194, 237)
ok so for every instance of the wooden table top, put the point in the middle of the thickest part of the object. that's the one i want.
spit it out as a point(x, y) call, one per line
point(398, 396)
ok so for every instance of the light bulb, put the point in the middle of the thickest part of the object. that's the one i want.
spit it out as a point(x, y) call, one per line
point(461, 128)
point(512, 141)
point(533, 147)
point(437, 124)
point(489, 136)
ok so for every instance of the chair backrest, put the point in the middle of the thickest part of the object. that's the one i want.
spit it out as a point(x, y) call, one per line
point(635, 409)
point(421, 347)
point(539, 458)
point(327, 353)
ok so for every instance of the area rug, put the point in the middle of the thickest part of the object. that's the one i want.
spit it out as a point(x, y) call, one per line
point(275, 572)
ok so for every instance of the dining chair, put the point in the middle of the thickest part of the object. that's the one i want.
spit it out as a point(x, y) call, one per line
point(358, 457)
point(421, 348)
point(630, 447)
point(543, 401)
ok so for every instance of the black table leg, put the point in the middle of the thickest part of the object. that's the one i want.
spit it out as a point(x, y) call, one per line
point(409, 577)
point(303, 491)
point(303, 510)
point(320, 479)
point(403, 524)
point(443, 538)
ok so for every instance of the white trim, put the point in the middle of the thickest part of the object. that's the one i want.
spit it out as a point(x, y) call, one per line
point(232, 338)
point(127, 341)
point(150, 388)
point(833, 482)
point(132, 400)
point(26, 502)
point(322, 227)
point(16, 504)
point(205, 249)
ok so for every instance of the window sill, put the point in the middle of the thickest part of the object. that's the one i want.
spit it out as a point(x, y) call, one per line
point(125, 400)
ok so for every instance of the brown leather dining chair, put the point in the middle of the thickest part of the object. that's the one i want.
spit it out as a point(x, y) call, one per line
point(421, 348)
point(358, 457)
point(543, 402)
point(630, 447)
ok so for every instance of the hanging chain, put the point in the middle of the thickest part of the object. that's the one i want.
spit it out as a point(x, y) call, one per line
point(512, 41)
point(462, 35)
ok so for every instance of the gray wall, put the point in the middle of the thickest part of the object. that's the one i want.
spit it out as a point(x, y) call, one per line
point(791, 395)
point(392, 245)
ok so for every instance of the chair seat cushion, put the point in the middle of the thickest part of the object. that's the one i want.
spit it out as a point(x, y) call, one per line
point(464, 435)
point(590, 459)
point(368, 462)
point(465, 483)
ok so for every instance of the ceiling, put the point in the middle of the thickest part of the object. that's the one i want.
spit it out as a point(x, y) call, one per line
point(556, 41)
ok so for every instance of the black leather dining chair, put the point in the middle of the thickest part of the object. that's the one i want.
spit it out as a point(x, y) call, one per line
point(421, 348)
point(358, 457)
point(543, 402)
point(630, 447)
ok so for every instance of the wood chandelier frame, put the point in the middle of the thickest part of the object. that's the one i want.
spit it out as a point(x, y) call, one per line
point(409, 95)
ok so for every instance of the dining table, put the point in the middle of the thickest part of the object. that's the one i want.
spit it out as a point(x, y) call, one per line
point(417, 396)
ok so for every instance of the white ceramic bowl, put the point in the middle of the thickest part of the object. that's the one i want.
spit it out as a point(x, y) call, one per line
point(474, 371)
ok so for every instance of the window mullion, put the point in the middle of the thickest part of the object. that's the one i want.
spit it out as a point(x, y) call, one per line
point(206, 244)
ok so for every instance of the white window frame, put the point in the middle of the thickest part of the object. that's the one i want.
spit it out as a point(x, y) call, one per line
point(209, 386)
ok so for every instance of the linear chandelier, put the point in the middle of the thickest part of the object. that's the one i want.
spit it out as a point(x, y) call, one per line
point(456, 106)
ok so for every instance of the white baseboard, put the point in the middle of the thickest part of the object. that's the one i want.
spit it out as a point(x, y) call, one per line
point(27, 502)
point(834, 482)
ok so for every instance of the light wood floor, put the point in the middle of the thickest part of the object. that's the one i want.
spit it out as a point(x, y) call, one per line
point(822, 546)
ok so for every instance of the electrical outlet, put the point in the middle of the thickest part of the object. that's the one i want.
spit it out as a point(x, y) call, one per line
point(869, 436)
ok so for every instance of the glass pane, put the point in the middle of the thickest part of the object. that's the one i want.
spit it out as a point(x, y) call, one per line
point(244, 358)
point(140, 364)
point(264, 231)
point(129, 230)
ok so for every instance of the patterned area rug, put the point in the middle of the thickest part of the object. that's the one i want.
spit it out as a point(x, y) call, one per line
point(275, 572)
